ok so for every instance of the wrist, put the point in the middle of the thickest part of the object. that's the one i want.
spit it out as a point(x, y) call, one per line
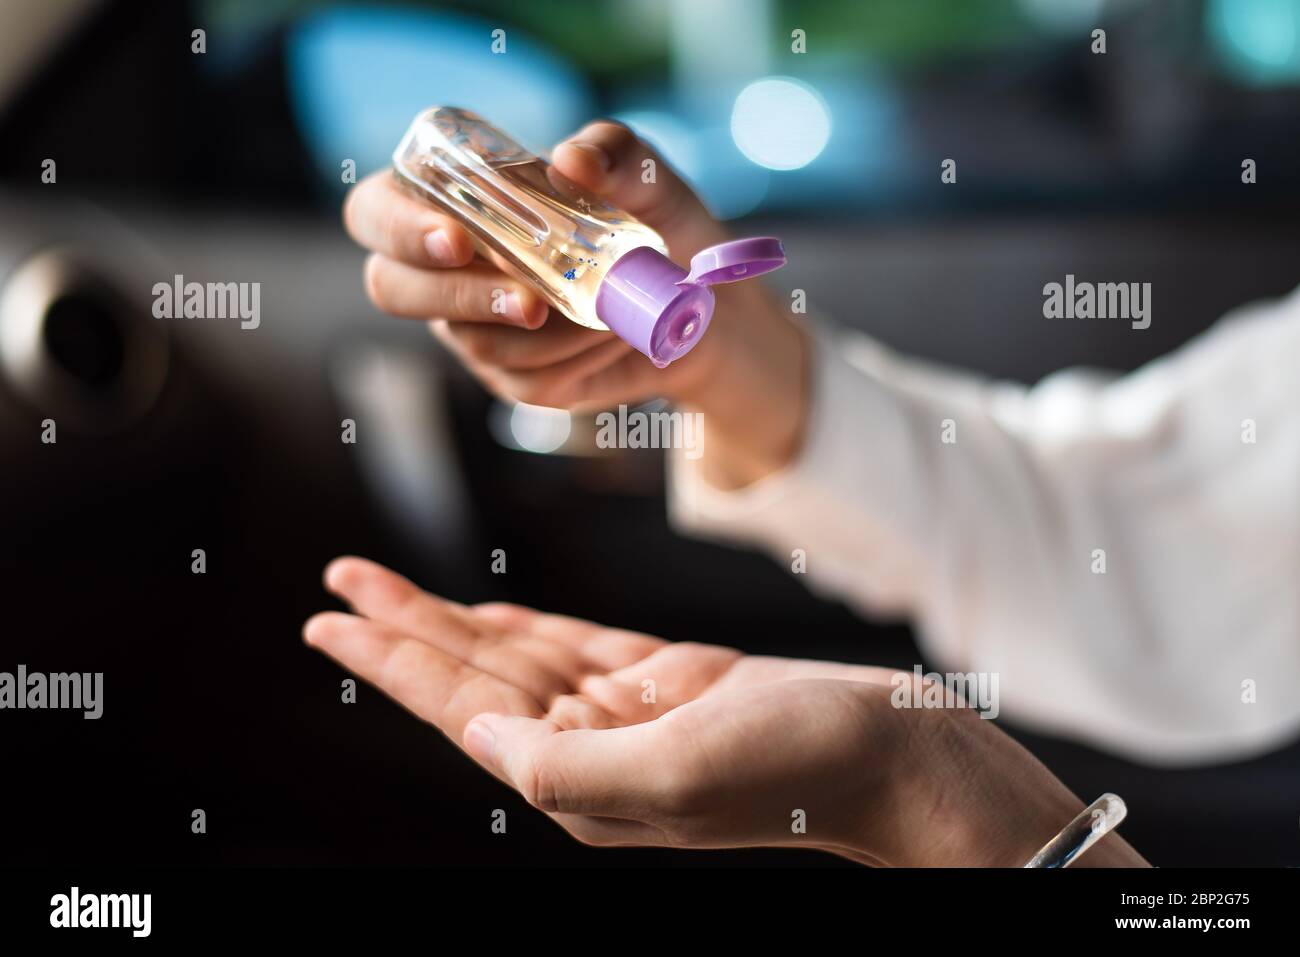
point(1012, 839)
point(964, 794)
point(751, 382)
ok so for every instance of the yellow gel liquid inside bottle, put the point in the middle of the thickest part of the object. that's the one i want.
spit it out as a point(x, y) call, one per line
point(523, 214)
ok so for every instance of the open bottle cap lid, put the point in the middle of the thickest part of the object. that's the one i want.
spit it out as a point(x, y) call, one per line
point(736, 260)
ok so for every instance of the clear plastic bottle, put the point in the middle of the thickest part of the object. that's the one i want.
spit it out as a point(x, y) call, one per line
point(597, 265)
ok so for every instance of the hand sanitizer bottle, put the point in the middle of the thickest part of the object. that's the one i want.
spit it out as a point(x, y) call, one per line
point(592, 262)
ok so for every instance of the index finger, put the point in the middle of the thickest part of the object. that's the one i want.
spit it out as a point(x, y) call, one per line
point(427, 681)
point(379, 215)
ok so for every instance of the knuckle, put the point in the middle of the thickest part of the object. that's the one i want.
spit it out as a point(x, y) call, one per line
point(492, 382)
point(525, 390)
point(571, 712)
point(464, 299)
point(480, 346)
point(619, 135)
point(396, 674)
point(540, 390)
point(538, 785)
point(533, 395)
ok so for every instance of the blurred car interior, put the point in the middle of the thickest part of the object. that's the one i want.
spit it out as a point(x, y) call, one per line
point(177, 435)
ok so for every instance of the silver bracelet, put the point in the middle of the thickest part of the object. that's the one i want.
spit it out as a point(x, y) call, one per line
point(1093, 823)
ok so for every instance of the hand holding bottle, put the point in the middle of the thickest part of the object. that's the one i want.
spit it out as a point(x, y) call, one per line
point(747, 375)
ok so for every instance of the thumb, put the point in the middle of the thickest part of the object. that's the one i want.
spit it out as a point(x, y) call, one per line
point(608, 159)
point(604, 772)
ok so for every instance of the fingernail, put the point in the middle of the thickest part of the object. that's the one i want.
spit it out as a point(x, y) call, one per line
point(439, 248)
point(603, 159)
point(515, 309)
point(480, 742)
point(530, 316)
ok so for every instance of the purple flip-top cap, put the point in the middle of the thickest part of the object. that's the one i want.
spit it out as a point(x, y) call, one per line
point(660, 309)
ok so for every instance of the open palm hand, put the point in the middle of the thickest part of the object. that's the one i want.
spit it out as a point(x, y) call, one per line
point(624, 738)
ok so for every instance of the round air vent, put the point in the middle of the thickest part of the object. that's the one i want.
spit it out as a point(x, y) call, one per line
point(79, 347)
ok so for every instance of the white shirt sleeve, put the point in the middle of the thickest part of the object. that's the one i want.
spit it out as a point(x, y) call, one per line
point(986, 512)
